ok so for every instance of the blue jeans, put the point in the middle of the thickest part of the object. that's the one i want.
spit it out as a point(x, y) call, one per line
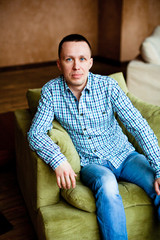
point(103, 182)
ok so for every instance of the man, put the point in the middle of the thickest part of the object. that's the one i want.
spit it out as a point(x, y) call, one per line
point(84, 104)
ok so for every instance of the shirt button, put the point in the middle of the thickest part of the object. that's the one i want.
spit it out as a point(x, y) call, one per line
point(89, 137)
point(84, 129)
point(95, 150)
point(81, 114)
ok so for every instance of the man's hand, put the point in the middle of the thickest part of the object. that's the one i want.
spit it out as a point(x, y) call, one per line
point(66, 177)
point(157, 186)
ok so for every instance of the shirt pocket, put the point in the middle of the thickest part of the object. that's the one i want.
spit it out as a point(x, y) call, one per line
point(98, 117)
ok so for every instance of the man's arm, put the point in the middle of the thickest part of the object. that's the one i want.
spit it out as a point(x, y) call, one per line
point(138, 127)
point(44, 146)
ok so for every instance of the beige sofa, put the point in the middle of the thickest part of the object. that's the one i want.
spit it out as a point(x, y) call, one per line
point(71, 214)
point(143, 73)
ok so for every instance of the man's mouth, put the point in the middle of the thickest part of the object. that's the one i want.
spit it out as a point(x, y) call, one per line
point(76, 75)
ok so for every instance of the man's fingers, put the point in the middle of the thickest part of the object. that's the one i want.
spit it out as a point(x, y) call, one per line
point(73, 180)
point(65, 176)
point(63, 181)
point(157, 187)
point(59, 182)
point(68, 182)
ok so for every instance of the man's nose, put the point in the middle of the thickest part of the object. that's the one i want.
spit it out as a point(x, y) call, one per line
point(76, 64)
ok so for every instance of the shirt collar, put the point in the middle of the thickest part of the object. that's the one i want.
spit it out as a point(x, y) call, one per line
point(88, 86)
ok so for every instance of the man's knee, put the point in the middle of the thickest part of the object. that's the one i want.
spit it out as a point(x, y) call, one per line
point(108, 187)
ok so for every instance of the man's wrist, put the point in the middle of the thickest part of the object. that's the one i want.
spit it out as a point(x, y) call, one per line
point(57, 161)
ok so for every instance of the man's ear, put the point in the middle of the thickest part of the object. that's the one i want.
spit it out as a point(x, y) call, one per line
point(91, 63)
point(59, 65)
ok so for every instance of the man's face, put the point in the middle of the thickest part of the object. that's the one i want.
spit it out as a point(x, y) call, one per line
point(74, 63)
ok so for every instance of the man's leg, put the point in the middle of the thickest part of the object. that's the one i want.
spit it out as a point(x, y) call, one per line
point(136, 169)
point(110, 210)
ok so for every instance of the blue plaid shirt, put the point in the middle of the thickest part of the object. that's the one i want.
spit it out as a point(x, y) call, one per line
point(91, 123)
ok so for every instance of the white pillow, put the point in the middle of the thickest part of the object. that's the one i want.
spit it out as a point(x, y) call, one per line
point(150, 48)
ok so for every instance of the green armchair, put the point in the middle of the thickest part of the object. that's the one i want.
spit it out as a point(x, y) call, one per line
point(71, 214)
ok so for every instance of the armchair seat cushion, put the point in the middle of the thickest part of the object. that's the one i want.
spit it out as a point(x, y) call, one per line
point(82, 197)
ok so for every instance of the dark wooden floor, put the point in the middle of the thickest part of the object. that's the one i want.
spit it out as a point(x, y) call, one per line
point(13, 208)
point(13, 87)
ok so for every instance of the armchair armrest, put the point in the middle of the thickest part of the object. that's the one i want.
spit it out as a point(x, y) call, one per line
point(36, 179)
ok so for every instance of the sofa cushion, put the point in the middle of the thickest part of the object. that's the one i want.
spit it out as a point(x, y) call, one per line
point(63, 140)
point(81, 197)
point(150, 48)
point(33, 96)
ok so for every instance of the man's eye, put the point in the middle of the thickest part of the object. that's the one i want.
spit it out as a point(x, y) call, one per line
point(82, 58)
point(69, 59)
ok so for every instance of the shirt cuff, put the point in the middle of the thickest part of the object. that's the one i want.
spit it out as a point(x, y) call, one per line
point(157, 174)
point(57, 161)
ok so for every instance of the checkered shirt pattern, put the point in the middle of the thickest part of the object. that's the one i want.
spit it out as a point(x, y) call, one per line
point(91, 124)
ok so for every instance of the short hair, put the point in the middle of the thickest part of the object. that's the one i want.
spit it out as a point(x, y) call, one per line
point(73, 38)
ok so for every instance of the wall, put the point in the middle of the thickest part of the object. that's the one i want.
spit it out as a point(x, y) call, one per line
point(109, 28)
point(124, 24)
point(133, 28)
point(139, 18)
point(30, 30)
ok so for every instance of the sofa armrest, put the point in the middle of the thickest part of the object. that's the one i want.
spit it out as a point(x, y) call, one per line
point(143, 80)
point(36, 179)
